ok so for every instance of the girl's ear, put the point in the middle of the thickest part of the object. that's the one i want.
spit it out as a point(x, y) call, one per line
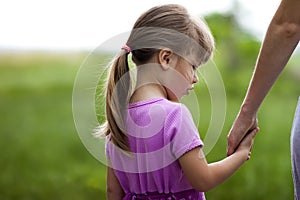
point(166, 58)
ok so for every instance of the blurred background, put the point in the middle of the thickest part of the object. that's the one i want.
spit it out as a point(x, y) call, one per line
point(44, 43)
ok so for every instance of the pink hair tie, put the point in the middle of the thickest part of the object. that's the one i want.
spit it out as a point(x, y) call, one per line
point(126, 48)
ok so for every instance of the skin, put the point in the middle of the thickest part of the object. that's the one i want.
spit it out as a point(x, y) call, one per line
point(281, 39)
point(113, 187)
point(193, 163)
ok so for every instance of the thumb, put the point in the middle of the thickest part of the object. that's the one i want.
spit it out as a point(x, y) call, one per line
point(250, 135)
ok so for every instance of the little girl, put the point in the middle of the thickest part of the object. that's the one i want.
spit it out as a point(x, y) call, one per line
point(153, 146)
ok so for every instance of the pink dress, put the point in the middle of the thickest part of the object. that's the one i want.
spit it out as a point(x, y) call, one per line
point(159, 132)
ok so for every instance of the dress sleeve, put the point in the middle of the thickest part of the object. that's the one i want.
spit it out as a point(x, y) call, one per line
point(183, 133)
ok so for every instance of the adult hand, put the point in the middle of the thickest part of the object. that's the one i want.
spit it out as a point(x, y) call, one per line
point(243, 124)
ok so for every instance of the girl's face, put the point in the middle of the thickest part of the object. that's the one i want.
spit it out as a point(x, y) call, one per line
point(182, 79)
point(188, 71)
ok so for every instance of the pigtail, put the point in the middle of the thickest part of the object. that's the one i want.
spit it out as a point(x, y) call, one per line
point(118, 92)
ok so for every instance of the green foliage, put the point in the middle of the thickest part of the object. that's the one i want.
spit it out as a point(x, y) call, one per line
point(42, 156)
point(236, 46)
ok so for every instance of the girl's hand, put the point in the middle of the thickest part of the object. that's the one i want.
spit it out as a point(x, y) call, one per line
point(247, 143)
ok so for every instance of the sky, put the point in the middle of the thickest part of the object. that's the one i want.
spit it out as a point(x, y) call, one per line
point(86, 24)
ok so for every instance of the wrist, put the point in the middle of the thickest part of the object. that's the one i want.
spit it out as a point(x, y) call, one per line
point(248, 109)
point(243, 154)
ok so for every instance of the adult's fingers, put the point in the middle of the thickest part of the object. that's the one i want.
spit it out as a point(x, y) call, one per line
point(250, 136)
point(234, 137)
point(240, 128)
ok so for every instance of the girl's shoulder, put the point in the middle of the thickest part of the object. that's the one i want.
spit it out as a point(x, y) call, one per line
point(172, 111)
point(159, 112)
point(168, 105)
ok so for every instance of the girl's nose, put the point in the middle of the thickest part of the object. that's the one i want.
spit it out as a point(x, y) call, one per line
point(195, 79)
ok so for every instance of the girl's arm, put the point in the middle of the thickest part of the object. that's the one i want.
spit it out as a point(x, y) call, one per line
point(114, 190)
point(203, 176)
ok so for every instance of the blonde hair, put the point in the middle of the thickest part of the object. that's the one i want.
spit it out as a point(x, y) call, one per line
point(156, 28)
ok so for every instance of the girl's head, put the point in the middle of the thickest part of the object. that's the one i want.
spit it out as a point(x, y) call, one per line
point(163, 32)
point(170, 26)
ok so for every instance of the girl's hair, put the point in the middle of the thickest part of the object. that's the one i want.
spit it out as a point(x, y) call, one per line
point(165, 26)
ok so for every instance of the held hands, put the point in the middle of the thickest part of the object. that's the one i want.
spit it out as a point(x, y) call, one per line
point(244, 125)
point(247, 142)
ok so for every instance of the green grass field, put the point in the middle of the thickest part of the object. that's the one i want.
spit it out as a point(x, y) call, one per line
point(42, 156)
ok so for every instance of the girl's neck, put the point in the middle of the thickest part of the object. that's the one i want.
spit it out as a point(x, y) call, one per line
point(148, 91)
point(148, 85)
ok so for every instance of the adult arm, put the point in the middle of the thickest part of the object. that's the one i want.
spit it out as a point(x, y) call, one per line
point(279, 43)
